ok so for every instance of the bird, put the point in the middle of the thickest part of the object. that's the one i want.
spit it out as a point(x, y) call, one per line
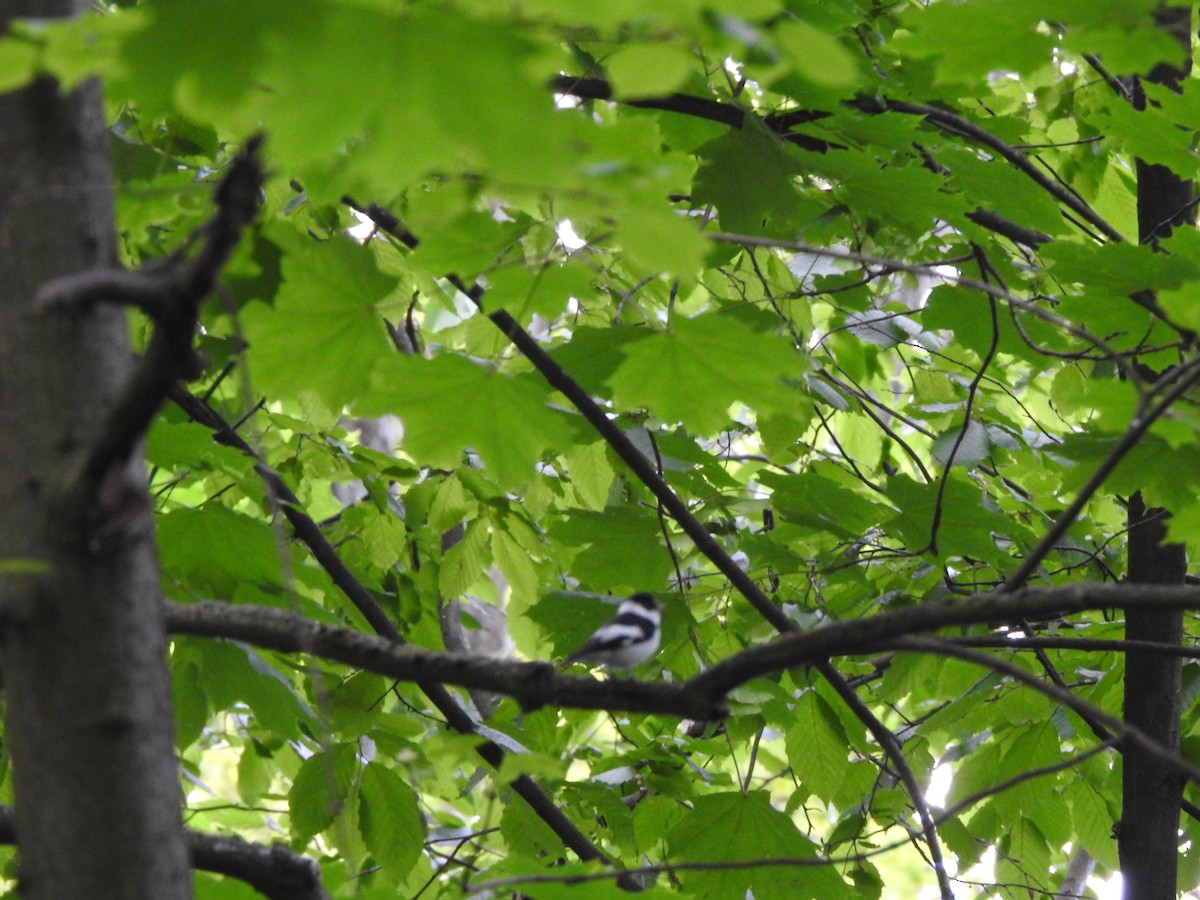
point(628, 639)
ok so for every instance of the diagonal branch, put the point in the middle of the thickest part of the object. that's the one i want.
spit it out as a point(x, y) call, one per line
point(734, 116)
point(1125, 733)
point(1184, 380)
point(956, 124)
point(170, 292)
point(311, 535)
point(931, 270)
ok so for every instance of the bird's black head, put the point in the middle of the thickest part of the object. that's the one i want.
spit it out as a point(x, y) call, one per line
point(647, 601)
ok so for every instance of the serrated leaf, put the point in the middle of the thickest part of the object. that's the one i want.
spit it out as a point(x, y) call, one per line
point(449, 403)
point(697, 370)
point(231, 672)
point(748, 175)
point(465, 561)
point(621, 551)
point(324, 332)
point(320, 789)
point(389, 818)
point(590, 473)
point(812, 500)
point(817, 746)
point(515, 564)
point(726, 827)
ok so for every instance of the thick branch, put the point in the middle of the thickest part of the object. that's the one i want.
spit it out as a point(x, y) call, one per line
point(274, 871)
point(536, 684)
point(859, 635)
point(1153, 698)
point(532, 684)
point(781, 123)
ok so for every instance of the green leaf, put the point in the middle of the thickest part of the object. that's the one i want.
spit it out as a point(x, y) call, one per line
point(320, 789)
point(970, 40)
point(817, 746)
point(696, 371)
point(662, 241)
point(390, 820)
point(324, 332)
point(736, 826)
point(190, 705)
point(232, 672)
point(217, 549)
point(23, 567)
point(255, 772)
point(525, 833)
point(966, 524)
point(449, 403)
point(817, 55)
point(906, 196)
point(812, 500)
point(966, 447)
point(620, 548)
point(515, 564)
point(465, 561)
point(649, 69)
point(18, 59)
point(748, 175)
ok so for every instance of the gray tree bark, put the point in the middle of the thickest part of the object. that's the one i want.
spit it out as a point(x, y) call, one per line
point(1148, 839)
point(88, 716)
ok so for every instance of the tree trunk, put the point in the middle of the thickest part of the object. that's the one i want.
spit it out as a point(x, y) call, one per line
point(1148, 842)
point(88, 716)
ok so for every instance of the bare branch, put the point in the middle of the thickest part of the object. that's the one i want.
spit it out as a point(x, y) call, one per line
point(931, 270)
point(1087, 645)
point(532, 684)
point(890, 744)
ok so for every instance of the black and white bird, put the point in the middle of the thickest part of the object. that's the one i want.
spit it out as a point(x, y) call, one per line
point(628, 639)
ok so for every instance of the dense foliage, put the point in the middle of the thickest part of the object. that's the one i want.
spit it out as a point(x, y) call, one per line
point(860, 280)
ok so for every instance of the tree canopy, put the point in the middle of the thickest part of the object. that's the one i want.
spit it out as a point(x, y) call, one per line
point(859, 333)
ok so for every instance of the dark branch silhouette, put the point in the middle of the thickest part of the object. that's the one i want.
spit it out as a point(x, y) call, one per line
point(275, 871)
